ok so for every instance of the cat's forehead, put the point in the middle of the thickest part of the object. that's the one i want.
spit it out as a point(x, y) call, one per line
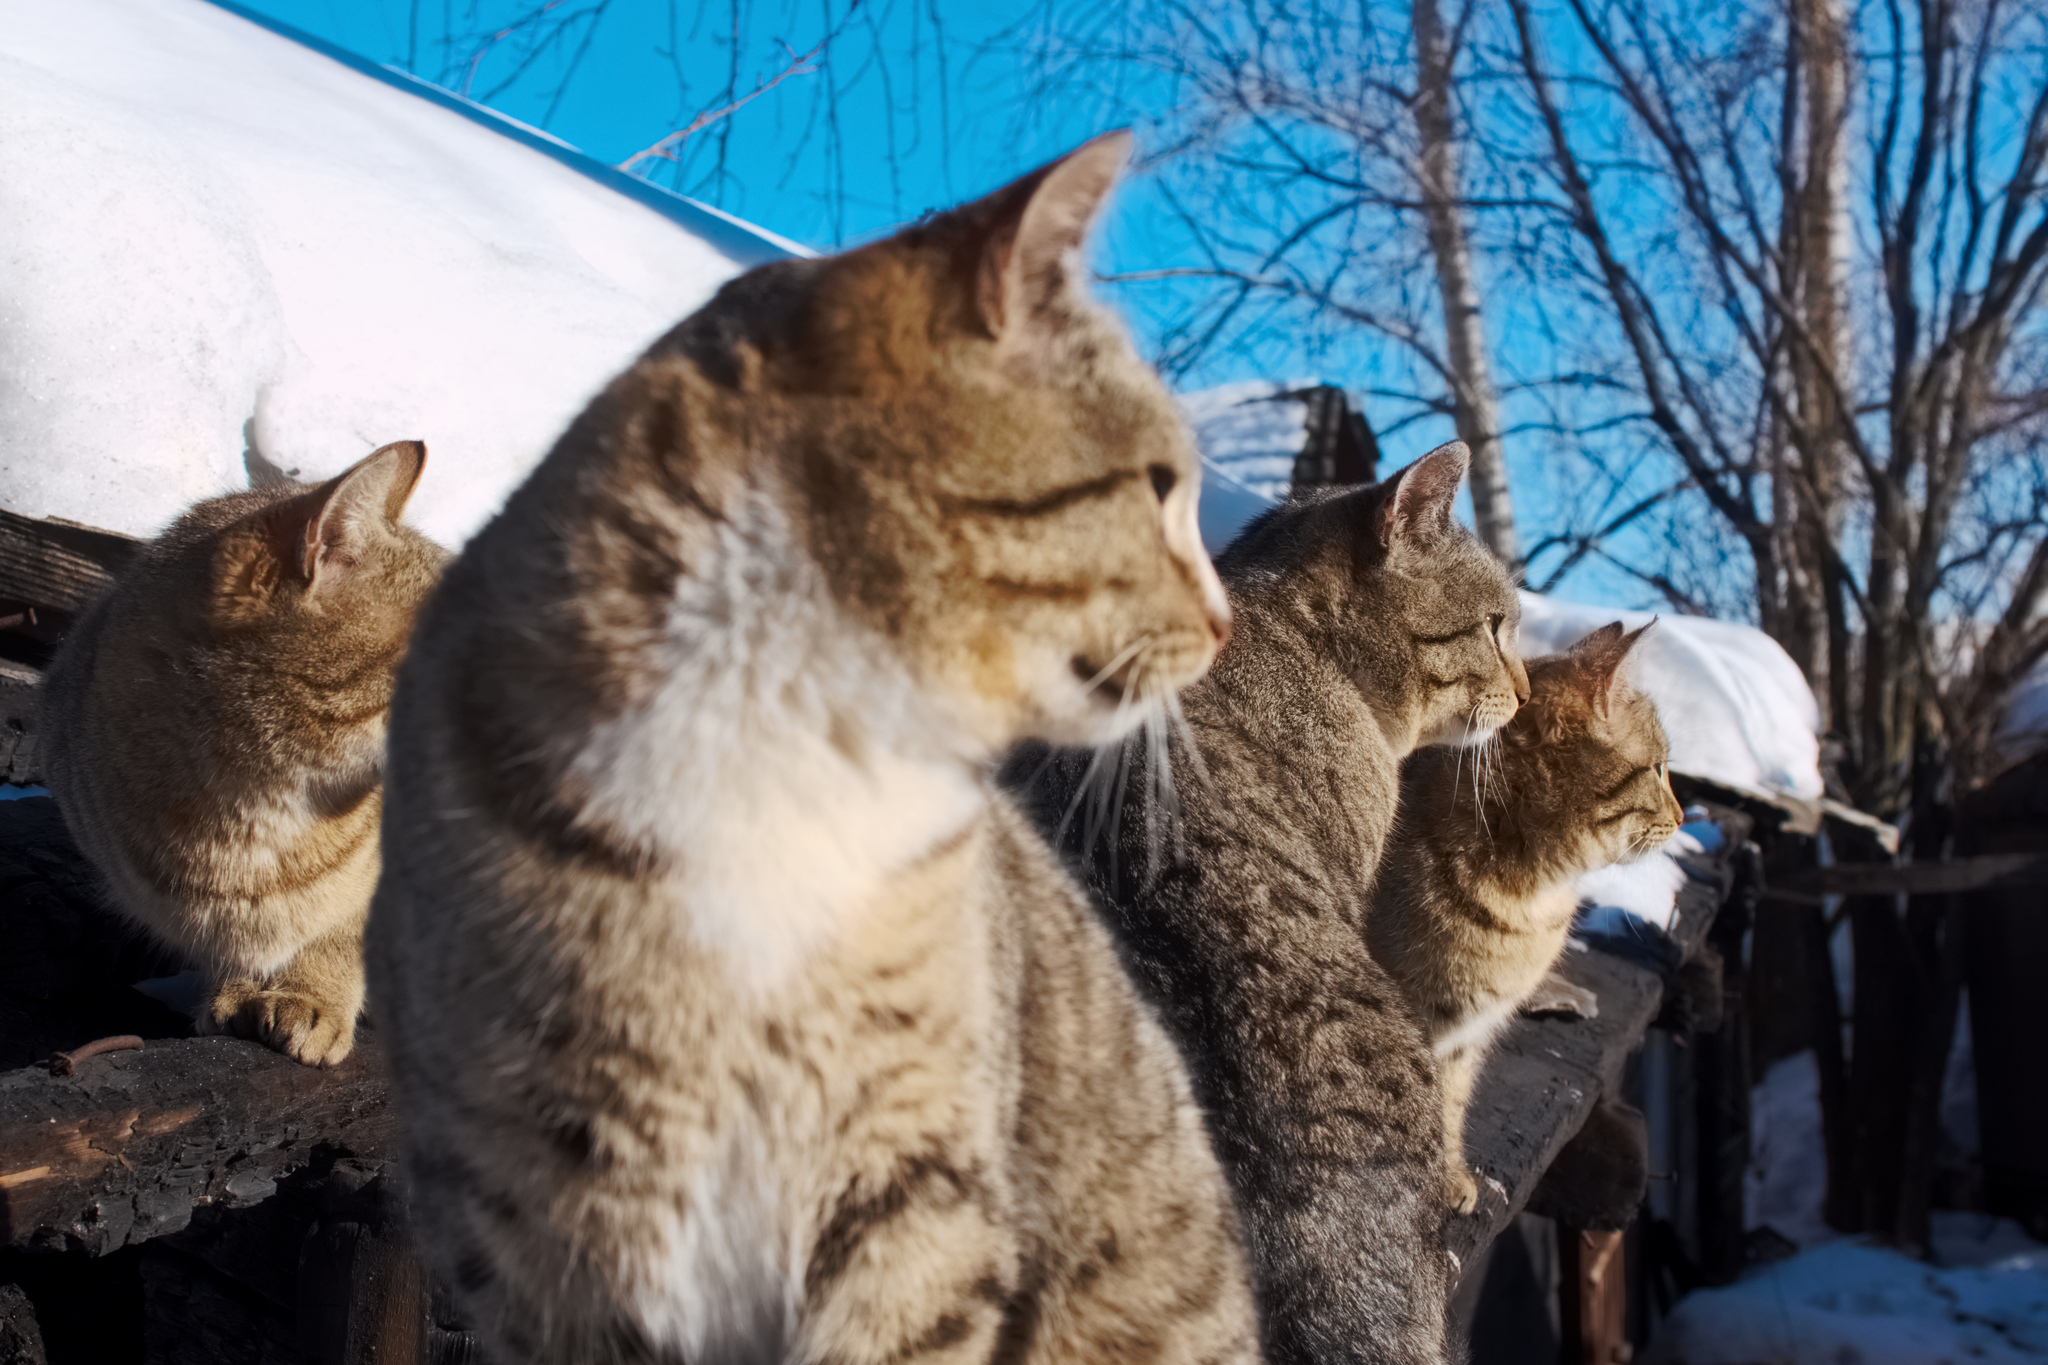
point(1456, 577)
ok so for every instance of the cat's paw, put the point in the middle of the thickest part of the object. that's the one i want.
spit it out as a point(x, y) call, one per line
point(219, 1011)
point(1461, 1189)
point(300, 1026)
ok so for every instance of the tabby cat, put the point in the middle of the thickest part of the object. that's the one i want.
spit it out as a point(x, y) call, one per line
point(1367, 623)
point(1476, 894)
point(214, 734)
point(734, 1017)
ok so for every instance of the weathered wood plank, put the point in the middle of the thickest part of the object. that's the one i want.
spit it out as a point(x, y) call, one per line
point(126, 1149)
point(58, 563)
point(19, 702)
point(1806, 886)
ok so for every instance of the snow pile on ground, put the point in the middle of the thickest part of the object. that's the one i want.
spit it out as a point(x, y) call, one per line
point(1787, 1179)
point(229, 252)
point(1845, 1302)
point(1984, 1297)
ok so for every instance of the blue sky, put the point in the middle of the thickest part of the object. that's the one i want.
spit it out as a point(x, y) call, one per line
point(885, 124)
point(899, 146)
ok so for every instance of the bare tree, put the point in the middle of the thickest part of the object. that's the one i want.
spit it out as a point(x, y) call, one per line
point(1470, 373)
point(1888, 493)
point(1815, 454)
point(1309, 155)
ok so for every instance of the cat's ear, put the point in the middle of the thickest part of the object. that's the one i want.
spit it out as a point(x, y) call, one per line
point(1418, 510)
point(1032, 244)
point(364, 500)
point(1600, 656)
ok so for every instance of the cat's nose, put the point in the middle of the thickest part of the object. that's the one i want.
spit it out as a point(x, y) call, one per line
point(1219, 626)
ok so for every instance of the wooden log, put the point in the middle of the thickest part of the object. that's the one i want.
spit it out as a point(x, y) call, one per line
point(1808, 886)
point(197, 1316)
point(129, 1147)
point(21, 1336)
point(1597, 1181)
point(19, 702)
point(55, 563)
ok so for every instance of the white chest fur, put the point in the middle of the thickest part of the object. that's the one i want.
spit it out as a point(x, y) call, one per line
point(786, 762)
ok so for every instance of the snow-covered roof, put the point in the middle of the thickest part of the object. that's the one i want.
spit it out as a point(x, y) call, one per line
point(224, 245)
point(1249, 435)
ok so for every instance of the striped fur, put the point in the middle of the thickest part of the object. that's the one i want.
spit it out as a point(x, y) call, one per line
point(1368, 623)
point(214, 731)
point(1476, 894)
point(733, 1017)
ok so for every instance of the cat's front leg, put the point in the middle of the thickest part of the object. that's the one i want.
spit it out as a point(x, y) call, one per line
point(307, 1010)
point(1458, 1071)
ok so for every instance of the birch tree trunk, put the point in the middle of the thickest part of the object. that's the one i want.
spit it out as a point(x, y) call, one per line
point(1477, 404)
point(1824, 250)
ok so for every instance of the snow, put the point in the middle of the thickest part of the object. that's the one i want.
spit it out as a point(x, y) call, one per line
point(1645, 890)
point(1845, 1302)
point(1250, 433)
point(1225, 507)
point(1984, 1297)
point(1787, 1177)
point(227, 250)
point(1735, 707)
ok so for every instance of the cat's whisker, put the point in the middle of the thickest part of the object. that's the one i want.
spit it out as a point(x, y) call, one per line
point(1161, 812)
point(1458, 769)
point(1483, 751)
point(1084, 789)
point(1190, 751)
point(1123, 656)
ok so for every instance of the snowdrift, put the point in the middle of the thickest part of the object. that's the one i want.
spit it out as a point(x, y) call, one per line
point(231, 252)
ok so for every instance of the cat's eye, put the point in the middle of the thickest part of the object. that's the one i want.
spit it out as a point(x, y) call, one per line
point(1163, 480)
point(1494, 624)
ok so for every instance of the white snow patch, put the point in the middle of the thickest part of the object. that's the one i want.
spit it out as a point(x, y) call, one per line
point(1735, 707)
point(1645, 890)
point(1225, 508)
point(1844, 1303)
point(1787, 1179)
point(219, 238)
